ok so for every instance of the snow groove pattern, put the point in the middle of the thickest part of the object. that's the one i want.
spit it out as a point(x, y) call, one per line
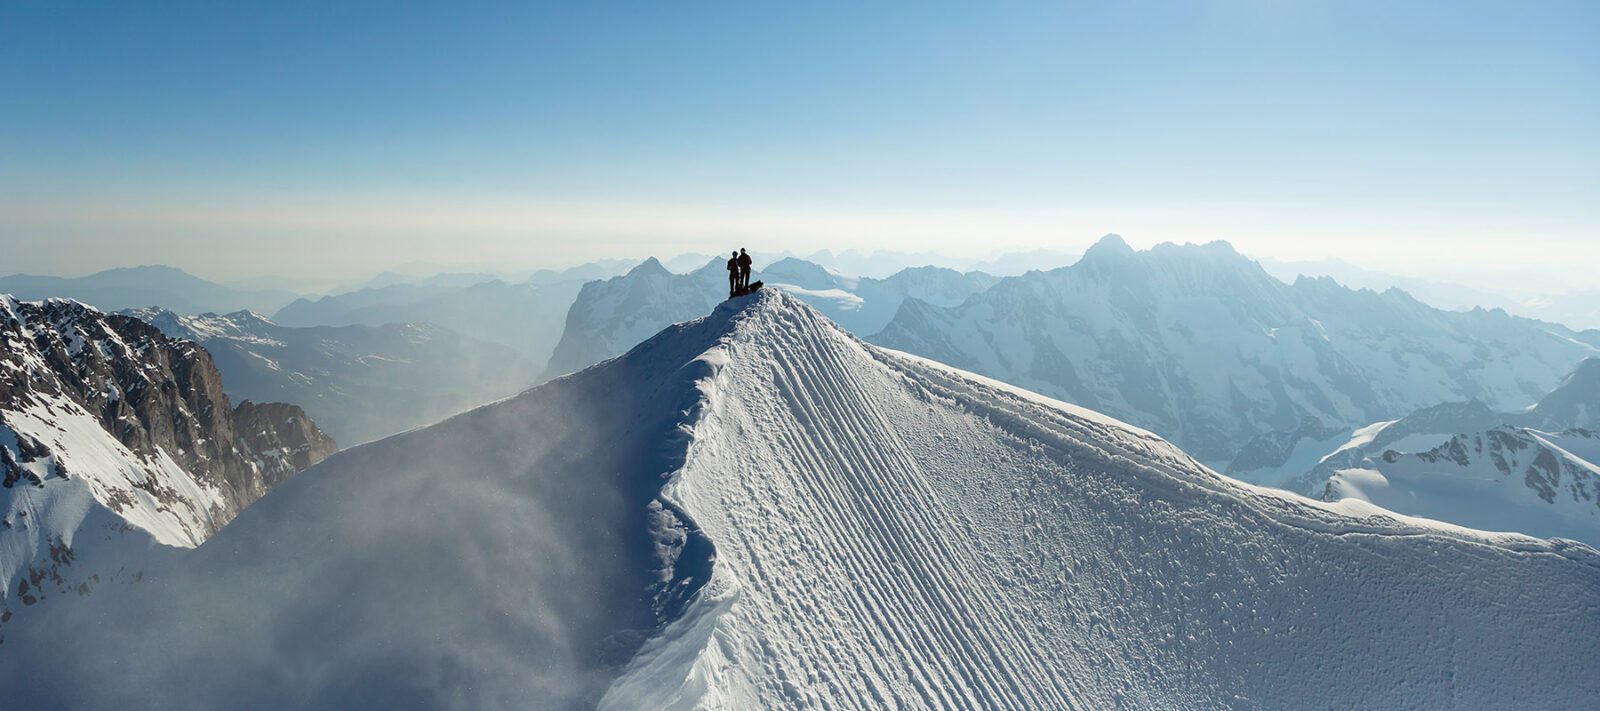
point(976, 655)
point(891, 533)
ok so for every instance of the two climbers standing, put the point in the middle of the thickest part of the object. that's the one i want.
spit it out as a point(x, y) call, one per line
point(739, 273)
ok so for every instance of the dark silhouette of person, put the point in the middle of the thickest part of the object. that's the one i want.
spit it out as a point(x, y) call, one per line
point(744, 269)
point(733, 275)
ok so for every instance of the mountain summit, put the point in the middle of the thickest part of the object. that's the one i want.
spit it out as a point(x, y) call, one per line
point(757, 510)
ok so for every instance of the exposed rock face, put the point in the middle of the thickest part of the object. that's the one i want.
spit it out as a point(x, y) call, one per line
point(281, 433)
point(107, 424)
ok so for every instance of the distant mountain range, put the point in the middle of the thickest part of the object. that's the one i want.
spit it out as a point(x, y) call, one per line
point(609, 317)
point(526, 316)
point(358, 382)
point(1201, 345)
point(1575, 310)
point(134, 287)
point(882, 264)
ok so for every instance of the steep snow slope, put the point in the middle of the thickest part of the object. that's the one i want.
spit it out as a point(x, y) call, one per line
point(887, 532)
point(1199, 344)
point(358, 382)
point(909, 534)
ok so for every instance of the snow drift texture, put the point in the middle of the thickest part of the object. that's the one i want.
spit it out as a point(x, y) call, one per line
point(757, 510)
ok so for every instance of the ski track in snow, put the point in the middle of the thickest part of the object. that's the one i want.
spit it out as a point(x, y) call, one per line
point(893, 533)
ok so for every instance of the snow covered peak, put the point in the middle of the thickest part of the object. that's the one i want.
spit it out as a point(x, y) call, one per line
point(1170, 268)
point(1503, 478)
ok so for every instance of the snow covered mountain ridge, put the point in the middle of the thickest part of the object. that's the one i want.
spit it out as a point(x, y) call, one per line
point(114, 436)
point(757, 510)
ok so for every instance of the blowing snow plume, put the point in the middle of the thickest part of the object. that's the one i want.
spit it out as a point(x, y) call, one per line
point(756, 510)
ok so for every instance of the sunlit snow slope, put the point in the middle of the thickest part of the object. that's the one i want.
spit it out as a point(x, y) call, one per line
point(894, 532)
point(887, 533)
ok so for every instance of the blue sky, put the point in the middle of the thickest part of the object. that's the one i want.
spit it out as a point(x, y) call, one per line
point(235, 138)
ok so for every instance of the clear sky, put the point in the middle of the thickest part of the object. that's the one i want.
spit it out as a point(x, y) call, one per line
point(237, 139)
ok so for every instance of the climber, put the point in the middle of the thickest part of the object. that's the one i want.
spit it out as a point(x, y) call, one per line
point(744, 269)
point(733, 275)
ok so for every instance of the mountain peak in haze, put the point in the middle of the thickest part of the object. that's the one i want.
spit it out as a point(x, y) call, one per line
point(1110, 246)
point(649, 267)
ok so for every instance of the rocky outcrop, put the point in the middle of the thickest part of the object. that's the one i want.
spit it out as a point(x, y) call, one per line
point(150, 392)
point(113, 436)
point(281, 433)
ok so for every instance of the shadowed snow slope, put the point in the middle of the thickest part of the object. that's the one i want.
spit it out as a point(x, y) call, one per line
point(888, 533)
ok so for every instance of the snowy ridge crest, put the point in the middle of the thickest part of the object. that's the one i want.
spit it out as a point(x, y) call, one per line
point(827, 473)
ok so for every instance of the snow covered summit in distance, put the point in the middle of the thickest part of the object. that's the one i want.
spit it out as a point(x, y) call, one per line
point(758, 510)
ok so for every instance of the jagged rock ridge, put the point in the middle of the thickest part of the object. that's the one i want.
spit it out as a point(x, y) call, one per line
point(112, 436)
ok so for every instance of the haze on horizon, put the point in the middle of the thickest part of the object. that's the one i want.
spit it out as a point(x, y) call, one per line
point(1444, 140)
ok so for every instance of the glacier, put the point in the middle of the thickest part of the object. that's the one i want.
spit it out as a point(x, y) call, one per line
point(758, 510)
